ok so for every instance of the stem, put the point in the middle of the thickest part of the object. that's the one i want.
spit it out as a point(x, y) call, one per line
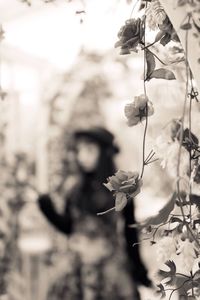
point(177, 288)
point(150, 155)
point(106, 211)
point(144, 142)
point(145, 93)
point(183, 275)
point(158, 58)
point(133, 8)
point(190, 152)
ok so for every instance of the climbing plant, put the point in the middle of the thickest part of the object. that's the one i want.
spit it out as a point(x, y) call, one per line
point(175, 228)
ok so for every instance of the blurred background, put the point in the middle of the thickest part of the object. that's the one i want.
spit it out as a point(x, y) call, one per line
point(59, 71)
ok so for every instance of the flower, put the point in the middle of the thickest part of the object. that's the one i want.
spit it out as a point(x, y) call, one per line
point(138, 109)
point(130, 35)
point(187, 249)
point(124, 182)
point(165, 249)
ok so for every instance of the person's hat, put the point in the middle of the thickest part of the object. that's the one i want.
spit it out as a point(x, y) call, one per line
point(100, 135)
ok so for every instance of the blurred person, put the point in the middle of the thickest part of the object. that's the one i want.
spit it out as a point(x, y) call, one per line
point(104, 263)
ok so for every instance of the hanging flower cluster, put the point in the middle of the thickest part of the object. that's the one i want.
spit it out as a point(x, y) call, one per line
point(177, 223)
point(138, 110)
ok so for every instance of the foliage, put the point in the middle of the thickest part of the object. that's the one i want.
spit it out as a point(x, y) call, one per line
point(175, 228)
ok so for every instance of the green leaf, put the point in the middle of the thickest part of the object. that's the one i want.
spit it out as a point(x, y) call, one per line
point(171, 274)
point(163, 74)
point(120, 201)
point(151, 64)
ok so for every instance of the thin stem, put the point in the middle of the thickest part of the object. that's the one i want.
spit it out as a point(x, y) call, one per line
point(147, 160)
point(149, 155)
point(133, 8)
point(190, 152)
point(106, 211)
point(152, 161)
point(157, 58)
point(183, 275)
point(176, 289)
point(145, 94)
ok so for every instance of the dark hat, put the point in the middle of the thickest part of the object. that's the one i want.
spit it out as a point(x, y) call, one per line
point(100, 135)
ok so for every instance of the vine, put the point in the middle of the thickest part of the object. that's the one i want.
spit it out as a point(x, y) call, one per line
point(178, 221)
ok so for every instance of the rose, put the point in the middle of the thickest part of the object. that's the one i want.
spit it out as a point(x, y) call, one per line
point(123, 184)
point(130, 35)
point(126, 182)
point(138, 109)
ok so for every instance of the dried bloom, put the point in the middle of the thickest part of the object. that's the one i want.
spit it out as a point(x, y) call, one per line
point(165, 249)
point(167, 151)
point(124, 182)
point(187, 257)
point(130, 35)
point(138, 109)
point(155, 15)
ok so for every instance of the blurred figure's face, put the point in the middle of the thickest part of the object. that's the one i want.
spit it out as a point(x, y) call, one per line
point(88, 153)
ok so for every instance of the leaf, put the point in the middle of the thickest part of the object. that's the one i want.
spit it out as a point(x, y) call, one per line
point(175, 220)
point(189, 286)
point(190, 136)
point(109, 186)
point(120, 201)
point(166, 39)
point(151, 64)
point(171, 274)
point(161, 290)
point(162, 74)
point(197, 276)
point(186, 26)
point(159, 35)
point(195, 199)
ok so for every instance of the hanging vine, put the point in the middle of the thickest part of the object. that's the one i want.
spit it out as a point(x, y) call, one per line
point(178, 221)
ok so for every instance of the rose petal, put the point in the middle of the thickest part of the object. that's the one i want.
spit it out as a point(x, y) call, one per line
point(115, 182)
point(133, 122)
point(120, 201)
point(118, 44)
point(109, 186)
point(129, 110)
point(129, 188)
point(121, 175)
point(125, 51)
